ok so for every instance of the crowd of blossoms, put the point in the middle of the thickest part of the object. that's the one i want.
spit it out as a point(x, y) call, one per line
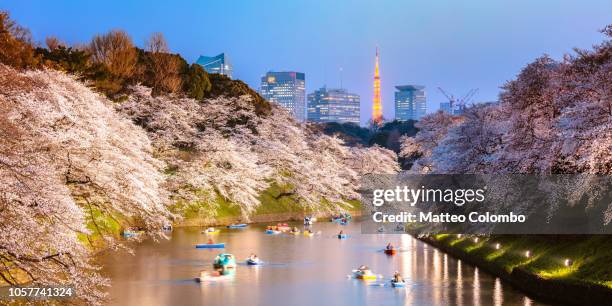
point(75, 166)
point(222, 146)
point(554, 118)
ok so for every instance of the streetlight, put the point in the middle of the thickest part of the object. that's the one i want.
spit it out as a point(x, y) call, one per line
point(567, 262)
point(497, 246)
point(528, 254)
point(459, 235)
point(476, 240)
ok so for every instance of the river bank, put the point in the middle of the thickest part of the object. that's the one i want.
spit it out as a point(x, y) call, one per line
point(519, 261)
point(258, 218)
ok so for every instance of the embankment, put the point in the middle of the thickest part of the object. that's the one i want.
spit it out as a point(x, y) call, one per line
point(537, 265)
point(259, 218)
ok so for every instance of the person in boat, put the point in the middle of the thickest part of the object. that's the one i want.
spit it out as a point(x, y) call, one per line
point(363, 269)
point(341, 233)
point(397, 278)
point(390, 246)
point(295, 230)
point(210, 241)
point(253, 257)
point(308, 231)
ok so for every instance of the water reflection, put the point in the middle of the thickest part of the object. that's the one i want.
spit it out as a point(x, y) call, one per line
point(498, 297)
point(459, 284)
point(300, 270)
point(476, 288)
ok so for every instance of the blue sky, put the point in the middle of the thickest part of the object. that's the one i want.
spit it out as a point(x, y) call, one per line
point(457, 45)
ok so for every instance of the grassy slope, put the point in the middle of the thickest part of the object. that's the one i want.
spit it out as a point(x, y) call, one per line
point(590, 255)
point(273, 201)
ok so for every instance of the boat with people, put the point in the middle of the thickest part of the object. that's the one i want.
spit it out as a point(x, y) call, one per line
point(211, 231)
point(272, 232)
point(342, 236)
point(400, 228)
point(224, 261)
point(398, 281)
point(343, 218)
point(308, 233)
point(308, 221)
point(283, 227)
point(390, 249)
point(237, 225)
point(294, 231)
point(253, 260)
point(364, 273)
point(132, 232)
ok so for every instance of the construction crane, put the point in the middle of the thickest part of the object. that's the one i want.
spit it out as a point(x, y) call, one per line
point(459, 104)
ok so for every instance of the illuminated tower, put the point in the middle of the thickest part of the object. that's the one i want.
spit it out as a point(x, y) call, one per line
point(376, 103)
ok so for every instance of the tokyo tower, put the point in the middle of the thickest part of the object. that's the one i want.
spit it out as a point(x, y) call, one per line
point(376, 103)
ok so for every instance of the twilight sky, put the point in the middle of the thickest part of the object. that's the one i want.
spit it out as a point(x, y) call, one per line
point(456, 45)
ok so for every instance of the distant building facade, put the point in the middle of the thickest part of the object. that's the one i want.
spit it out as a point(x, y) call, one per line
point(288, 89)
point(216, 64)
point(410, 102)
point(334, 105)
point(446, 107)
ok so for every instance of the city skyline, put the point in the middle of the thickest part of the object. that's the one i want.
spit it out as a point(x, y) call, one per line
point(442, 44)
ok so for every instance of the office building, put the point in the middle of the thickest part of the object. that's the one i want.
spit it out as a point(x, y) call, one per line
point(410, 102)
point(286, 88)
point(446, 107)
point(333, 105)
point(216, 64)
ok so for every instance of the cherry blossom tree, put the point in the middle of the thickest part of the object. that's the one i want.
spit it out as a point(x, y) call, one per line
point(223, 147)
point(554, 118)
point(71, 167)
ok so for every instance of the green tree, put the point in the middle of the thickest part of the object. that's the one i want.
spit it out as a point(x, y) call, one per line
point(197, 84)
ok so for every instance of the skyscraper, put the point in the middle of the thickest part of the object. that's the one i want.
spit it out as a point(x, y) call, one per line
point(446, 107)
point(376, 102)
point(287, 88)
point(410, 102)
point(333, 105)
point(216, 64)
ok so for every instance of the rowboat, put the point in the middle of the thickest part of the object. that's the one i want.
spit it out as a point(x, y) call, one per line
point(390, 251)
point(224, 261)
point(358, 274)
point(398, 284)
point(252, 262)
point(210, 246)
